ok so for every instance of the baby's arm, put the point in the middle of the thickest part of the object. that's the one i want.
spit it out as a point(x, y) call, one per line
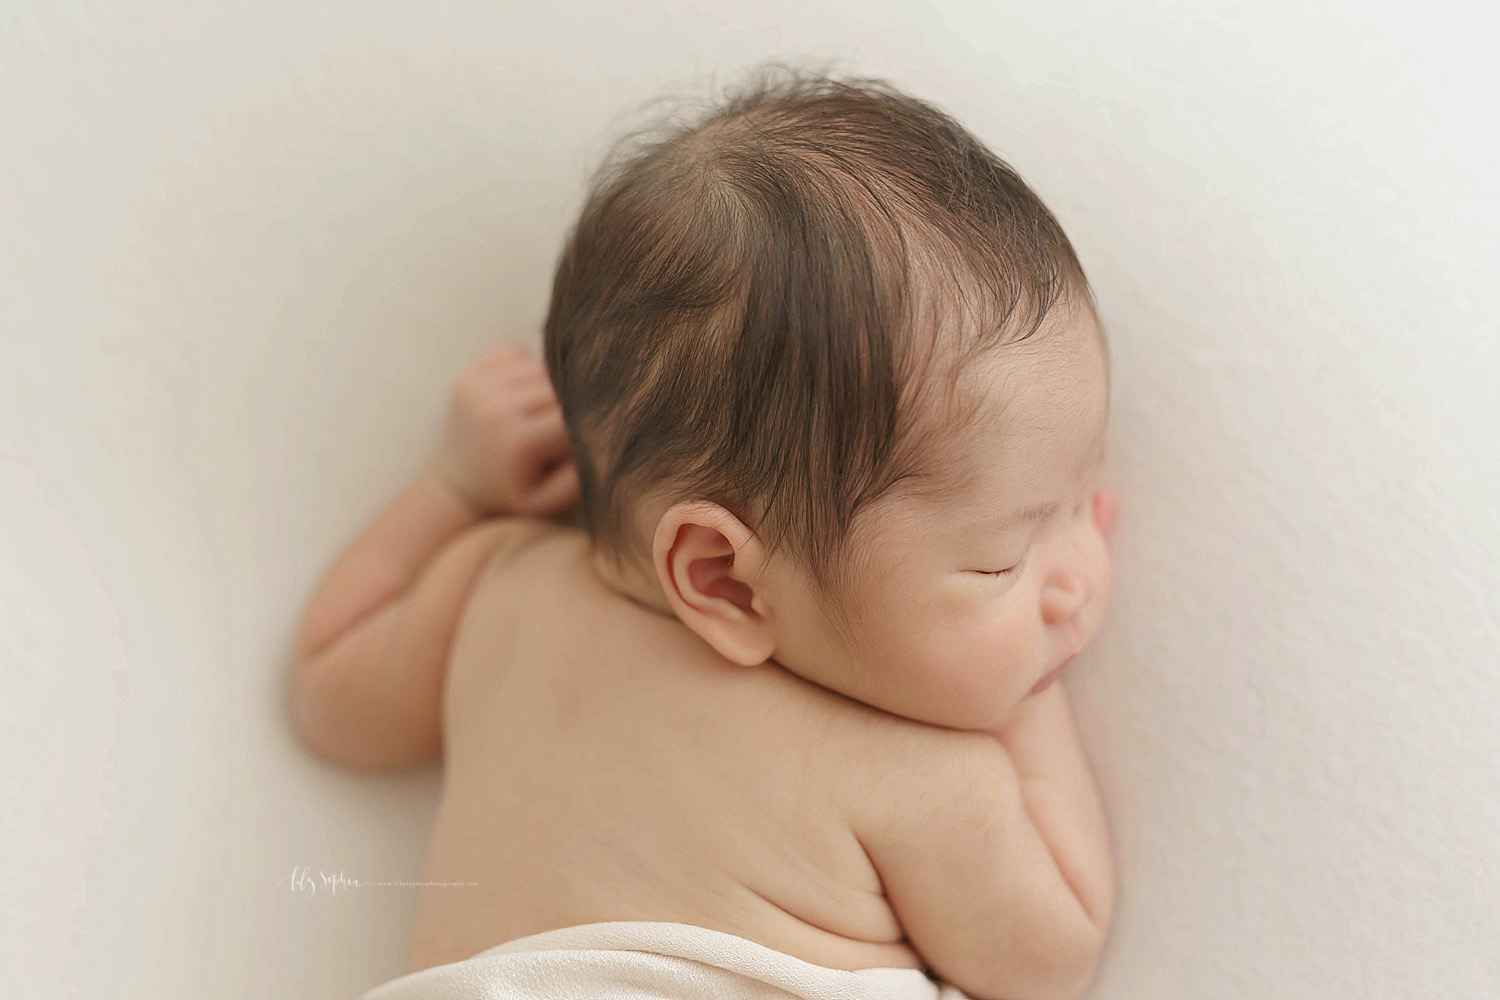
point(372, 649)
point(998, 864)
point(1062, 798)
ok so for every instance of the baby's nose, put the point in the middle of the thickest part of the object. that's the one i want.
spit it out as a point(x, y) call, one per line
point(1105, 509)
point(1062, 597)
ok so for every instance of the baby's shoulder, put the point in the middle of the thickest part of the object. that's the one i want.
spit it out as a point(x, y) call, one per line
point(904, 760)
point(521, 534)
point(878, 768)
point(527, 570)
point(539, 598)
point(527, 549)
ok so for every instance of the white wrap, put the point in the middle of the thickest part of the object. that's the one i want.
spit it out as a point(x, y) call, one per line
point(636, 960)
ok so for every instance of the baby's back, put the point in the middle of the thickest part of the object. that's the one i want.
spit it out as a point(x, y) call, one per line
point(604, 763)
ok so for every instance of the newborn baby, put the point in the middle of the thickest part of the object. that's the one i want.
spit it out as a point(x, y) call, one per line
point(819, 433)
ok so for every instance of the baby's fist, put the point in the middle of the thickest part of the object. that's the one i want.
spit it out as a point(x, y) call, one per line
point(504, 450)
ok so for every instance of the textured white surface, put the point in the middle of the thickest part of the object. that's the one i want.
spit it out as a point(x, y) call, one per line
point(244, 246)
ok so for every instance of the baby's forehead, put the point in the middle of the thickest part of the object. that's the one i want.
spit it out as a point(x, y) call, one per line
point(1005, 414)
point(955, 342)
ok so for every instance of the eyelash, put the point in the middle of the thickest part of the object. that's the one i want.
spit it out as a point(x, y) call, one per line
point(1004, 574)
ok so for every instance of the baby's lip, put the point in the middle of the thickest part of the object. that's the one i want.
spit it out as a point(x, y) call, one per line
point(1049, 677)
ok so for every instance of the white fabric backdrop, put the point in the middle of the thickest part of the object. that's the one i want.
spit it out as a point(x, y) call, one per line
point(245, 246)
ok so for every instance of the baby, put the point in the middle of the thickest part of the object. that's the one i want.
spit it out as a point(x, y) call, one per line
point(741, 615)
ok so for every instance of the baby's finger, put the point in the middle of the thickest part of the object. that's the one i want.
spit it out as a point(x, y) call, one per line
point(502, 356)
point(543, 439)
point(526, 372)
point(558, 490)
point(533, 398)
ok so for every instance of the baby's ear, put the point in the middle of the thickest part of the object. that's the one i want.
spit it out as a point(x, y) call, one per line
point(709, 564)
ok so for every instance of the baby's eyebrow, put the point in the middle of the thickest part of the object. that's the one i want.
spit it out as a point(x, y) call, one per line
point(1028, 515)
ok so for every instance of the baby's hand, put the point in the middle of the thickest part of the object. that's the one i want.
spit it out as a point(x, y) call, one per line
point(504, 450)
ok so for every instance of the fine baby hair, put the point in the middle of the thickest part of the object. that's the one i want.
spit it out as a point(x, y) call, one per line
point(757, 307)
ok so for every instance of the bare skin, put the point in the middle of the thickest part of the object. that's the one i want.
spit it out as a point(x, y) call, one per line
point(661, 749)
point(677, 785)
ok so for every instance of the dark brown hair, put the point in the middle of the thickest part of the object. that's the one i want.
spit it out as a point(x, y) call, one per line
point(747, 307)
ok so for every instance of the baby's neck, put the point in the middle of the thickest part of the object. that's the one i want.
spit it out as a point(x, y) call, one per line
point(630, 582)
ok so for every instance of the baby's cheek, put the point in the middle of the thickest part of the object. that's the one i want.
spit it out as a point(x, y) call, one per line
point(1005, 656)
point(961, 655)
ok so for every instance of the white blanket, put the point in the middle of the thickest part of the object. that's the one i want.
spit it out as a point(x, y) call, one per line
point(635, 960)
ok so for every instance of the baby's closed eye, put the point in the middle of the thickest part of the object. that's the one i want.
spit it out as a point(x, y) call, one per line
point(1005, 574)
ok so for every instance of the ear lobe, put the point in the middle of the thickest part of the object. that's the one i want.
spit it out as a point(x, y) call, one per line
point(709, 565)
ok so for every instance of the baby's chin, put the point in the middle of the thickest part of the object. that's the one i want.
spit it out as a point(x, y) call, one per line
point(985, 710)
point(998, 706)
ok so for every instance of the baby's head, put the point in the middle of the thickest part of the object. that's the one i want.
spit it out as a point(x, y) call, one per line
point(836, 394)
